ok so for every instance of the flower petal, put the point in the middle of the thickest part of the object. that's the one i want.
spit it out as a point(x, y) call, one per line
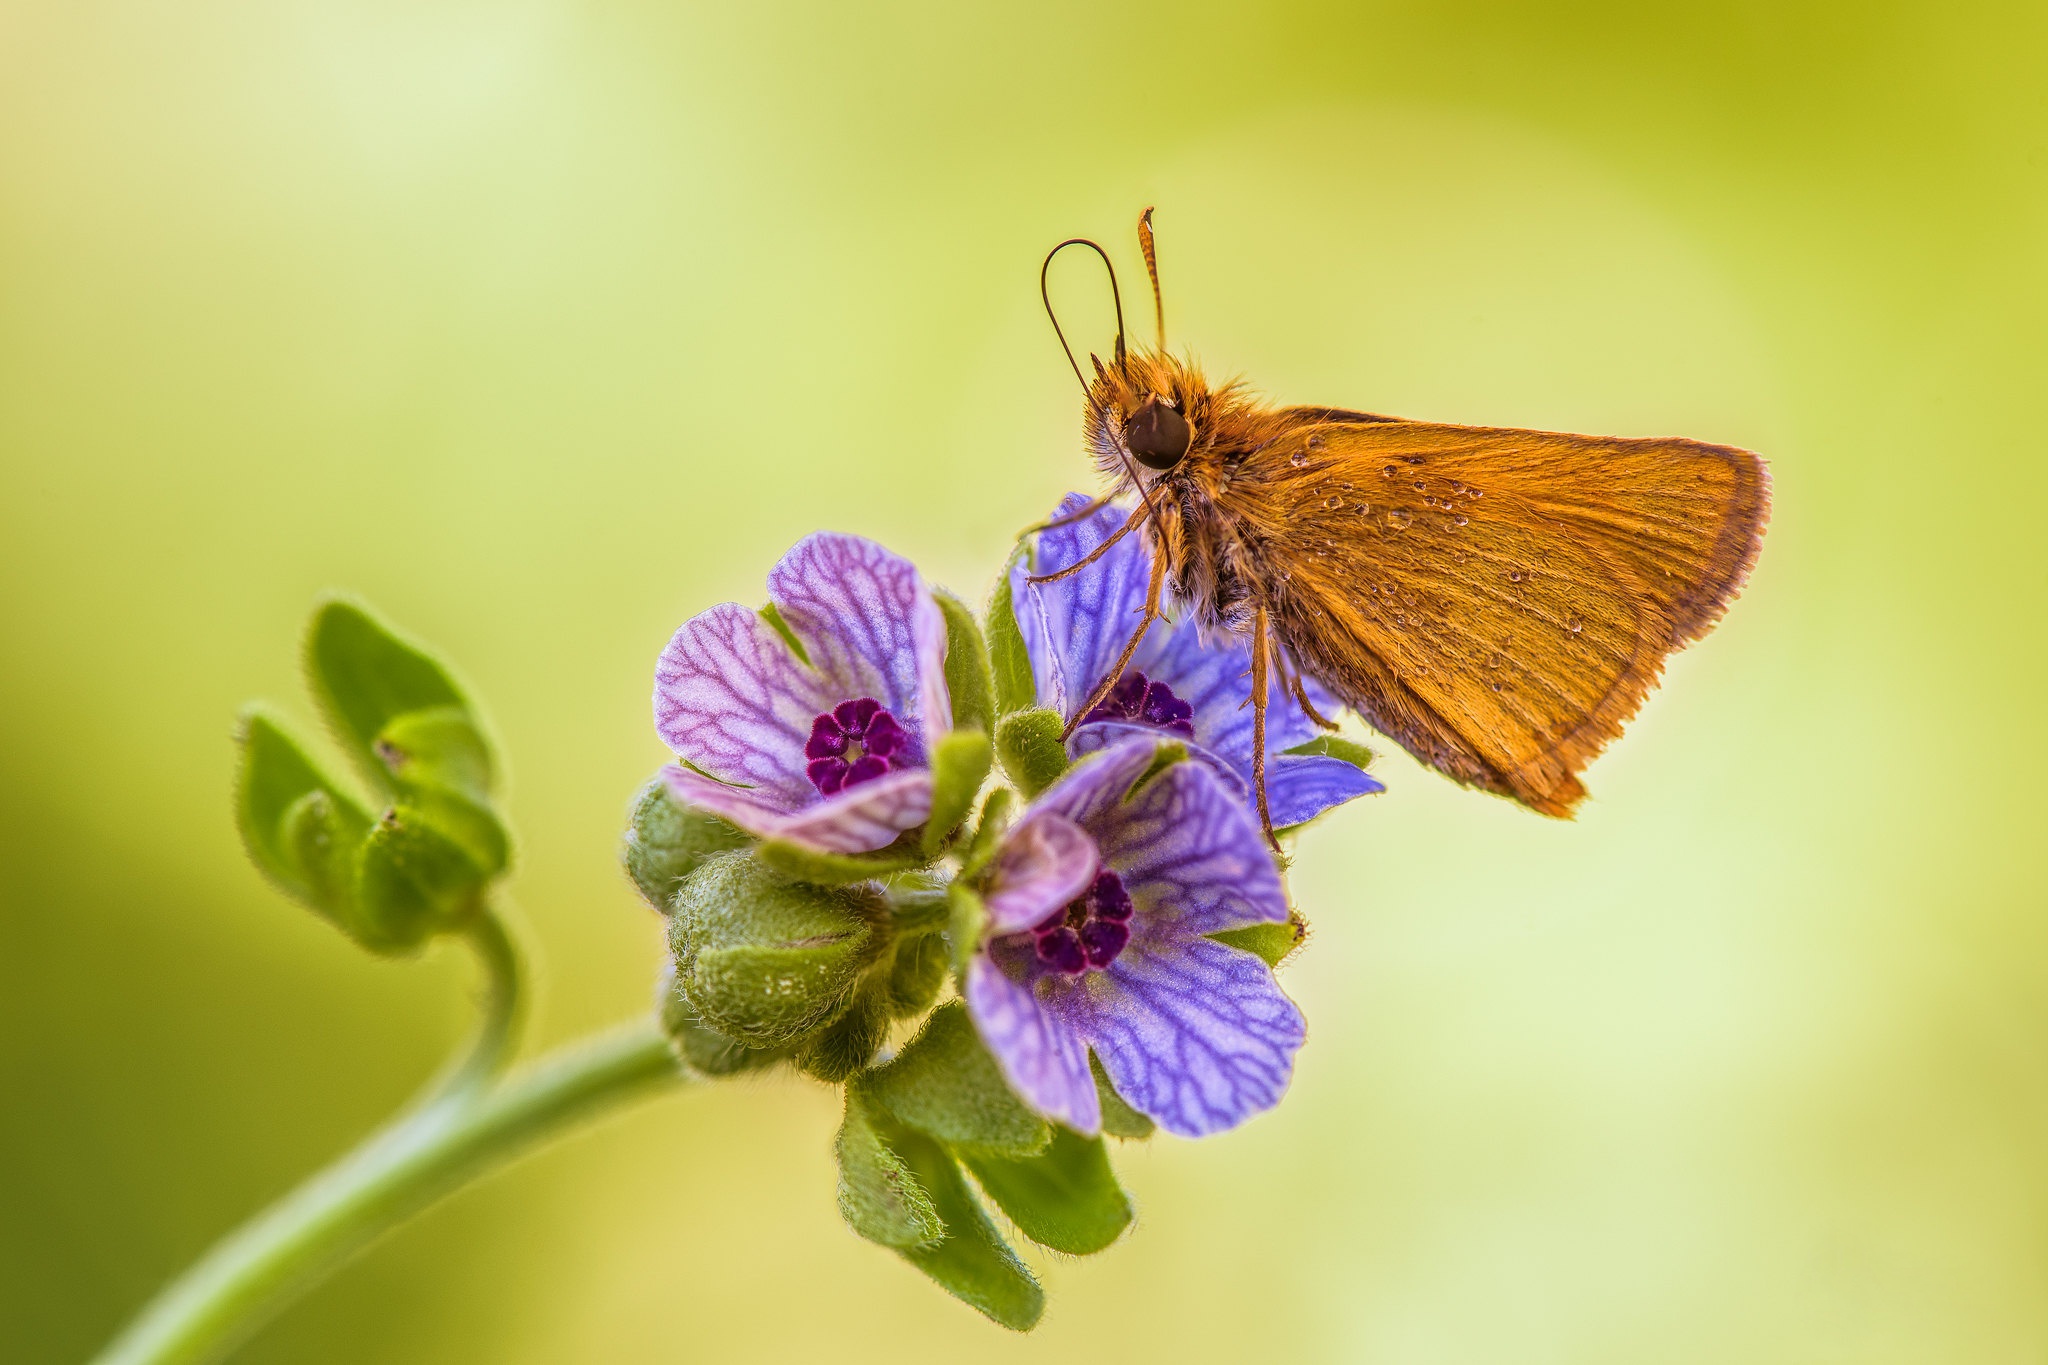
point(1191, 855)
point(1299, 787)
point(1197, 1035)
point(730, 697)
point(859, 819)
point(871, 629)
point(1046, 861)
point(1075, 629)
point(1214, 679)
point(1042, 1057)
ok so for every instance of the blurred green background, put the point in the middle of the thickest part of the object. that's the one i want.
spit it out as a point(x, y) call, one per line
point(543, 325)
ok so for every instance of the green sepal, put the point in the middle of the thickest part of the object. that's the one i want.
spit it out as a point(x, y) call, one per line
point(960, 763)
point(879, 1197)
point(973, 1263)
point(1065, 1198)
point(988, 832)
point(299, 827)
point(772, 614)
point(916, 974)
point(667, 840)
point(1119, 1120)
point(967, 670)
point(966, 922)
point(365, 675)
point(1032, 753)
point(1009, 662)
point(700, 1047)
point(850, 1042)
point(412, 881)
point(804, 864)
point(1273, 943)
point(945, 1084)
point(1333, 746)
point(764, 960)
point(1165, 754)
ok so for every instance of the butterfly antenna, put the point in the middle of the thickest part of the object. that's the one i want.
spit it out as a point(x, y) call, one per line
point(1152, 269)
point(1115, 295)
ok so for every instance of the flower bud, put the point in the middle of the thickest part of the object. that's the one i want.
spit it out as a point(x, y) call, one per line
point(667, 840)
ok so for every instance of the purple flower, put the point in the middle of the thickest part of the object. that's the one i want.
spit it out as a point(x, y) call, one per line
point(1099, 903)
point(822, 738)
point(1074, 630)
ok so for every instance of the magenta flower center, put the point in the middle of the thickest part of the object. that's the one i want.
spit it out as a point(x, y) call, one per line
point(1144, 701)
point(1087, 932)
point(855, 742)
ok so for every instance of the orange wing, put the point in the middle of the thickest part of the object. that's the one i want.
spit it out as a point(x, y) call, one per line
point(1497, 601)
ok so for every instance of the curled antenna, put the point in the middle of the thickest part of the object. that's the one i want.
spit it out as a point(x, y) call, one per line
point(1152, 269)
point(1115, 295)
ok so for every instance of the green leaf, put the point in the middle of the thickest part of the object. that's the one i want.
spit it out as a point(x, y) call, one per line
point(1272, 942)
point(1334, 746)
point(667, 840)
point(966, 922)
point(305, 846)
point(365, 675)
point(412, 881)
point(764, 960)
point(967, 669)
point(1065, 1198)
point(1032, 753)
point(945, 1084)
point(800, 863)
point(437, 747)
point(878, 1195)
point(1119, 1120)
point(973, 1263)
point(960, 763)
point(915, 975)
point(1010, 662)
point(850, 1042)
point(988, 832)
point(470, 825)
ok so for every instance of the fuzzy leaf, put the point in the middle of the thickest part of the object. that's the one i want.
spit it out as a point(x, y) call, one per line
point(1029, 745)
point(306, 846)
point(1010, 662)
point(365, 675)
point(412, 881)
point(850, 1042)
point(967, 669)
point(878, 1195)
point(960, 763)
point(667, 840)
point(1065, 1198)
point(440, 746)
point(945, 1084)
point(973, 1263)
point(916, 974)
point(966, 922)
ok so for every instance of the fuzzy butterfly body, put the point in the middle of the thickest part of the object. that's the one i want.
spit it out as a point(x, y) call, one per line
point(1496, 601)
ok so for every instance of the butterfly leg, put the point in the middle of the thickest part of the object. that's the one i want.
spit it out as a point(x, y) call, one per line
point(1290, 678)
point(1136, 520)
point(1153, 591)
point(1068, 520)
point(1261, 678)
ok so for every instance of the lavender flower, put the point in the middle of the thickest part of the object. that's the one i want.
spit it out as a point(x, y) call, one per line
point(1099, 903)
point(1075, 628)
point(811, 722)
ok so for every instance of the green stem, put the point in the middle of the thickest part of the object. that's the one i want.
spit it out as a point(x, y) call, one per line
point(466, 1129)
point(504, 1006)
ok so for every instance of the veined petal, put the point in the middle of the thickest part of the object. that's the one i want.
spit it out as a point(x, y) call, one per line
point(1046, 861)
point(730, 697)
point(859, 819)
point(1042, 1057)
point(1299, 787)
point(1196, 1034)
point(1215, 679)
point(870, 628)
point(1190, 854)
point(1075, 629)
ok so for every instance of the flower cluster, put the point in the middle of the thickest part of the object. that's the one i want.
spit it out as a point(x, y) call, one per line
point(828, 845)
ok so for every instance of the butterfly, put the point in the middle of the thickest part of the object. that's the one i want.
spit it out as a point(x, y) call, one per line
point(1496, 601)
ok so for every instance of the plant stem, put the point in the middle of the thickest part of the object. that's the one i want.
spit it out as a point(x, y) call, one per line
point(466, 1127)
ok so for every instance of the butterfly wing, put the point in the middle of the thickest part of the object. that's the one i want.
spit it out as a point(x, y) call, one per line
point(1497, 601)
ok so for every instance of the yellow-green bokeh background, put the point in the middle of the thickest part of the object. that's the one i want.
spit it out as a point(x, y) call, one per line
point(543, 325)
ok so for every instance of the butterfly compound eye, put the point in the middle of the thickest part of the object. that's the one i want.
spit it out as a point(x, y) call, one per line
point(1157, 435)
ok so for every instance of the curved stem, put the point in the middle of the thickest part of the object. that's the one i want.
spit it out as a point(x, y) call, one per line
point(466, 1130)
point(504, 1006)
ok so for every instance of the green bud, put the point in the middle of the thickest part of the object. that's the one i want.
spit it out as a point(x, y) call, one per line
point(667, 840)
point(366, 676)
point(1066, 1197)
point(301, 830)
point(967, 670)
point(915, 974)
point(850, 1042)
point(705, 1050)
point(1029, 745)
point(960, 762)
point(413, 881)
point(1010, 664)
point(765, 960)
point(945, 1084)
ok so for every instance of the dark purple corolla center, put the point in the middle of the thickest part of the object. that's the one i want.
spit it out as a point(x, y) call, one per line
point(1087, 932)
point(1147, 702)
point(854, 742)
